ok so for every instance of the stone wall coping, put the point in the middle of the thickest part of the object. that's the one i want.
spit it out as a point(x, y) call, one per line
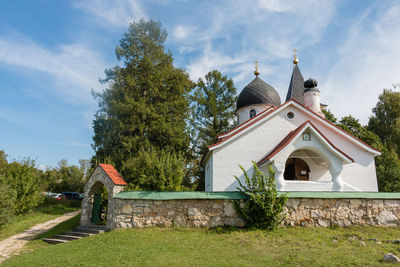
point(153, 195)
point(345, 195)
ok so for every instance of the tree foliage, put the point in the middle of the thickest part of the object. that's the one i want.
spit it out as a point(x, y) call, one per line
point(24, 179)
point(388, 163)
point(213, 113)
point(385, 121)
point(7, 200)
point(263, 208)
point(65, 177)
point(145, 106)
point(157, 170)
point(329, 116)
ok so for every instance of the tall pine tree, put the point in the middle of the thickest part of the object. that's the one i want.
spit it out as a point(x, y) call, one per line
point(143, 111)
point(213, 107)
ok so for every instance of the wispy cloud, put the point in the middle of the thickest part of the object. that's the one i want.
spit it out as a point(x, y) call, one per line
point(74, 68)
point(183, 32)
point(367, 62)
point(234, 34)
point(116, 13)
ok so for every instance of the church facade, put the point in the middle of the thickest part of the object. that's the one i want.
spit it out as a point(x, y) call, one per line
point(306, 151)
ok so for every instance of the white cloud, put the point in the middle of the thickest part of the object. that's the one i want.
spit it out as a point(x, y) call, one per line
point(368, 62)
point(117, 13)
point(182, 32)
point(74, 68)
point(230, 36)
point(278, 5)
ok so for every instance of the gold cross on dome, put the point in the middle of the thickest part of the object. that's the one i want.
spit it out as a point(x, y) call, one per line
point(295, 59)
point(256, 72)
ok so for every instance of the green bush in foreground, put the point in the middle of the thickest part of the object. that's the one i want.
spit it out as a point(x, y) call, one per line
point(7, 198)
point(263, 209)
point(23, 178)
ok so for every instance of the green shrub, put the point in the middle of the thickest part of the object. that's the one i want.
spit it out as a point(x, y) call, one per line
point(155, 170)
point(7, 198)
point(263, 208)
point(24, 179)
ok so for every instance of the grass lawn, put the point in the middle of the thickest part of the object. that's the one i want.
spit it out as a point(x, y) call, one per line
point(219, 247)
point(41, 214)
point(59, 229)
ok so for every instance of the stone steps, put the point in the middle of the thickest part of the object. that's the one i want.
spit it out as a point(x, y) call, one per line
point(82, 234)
point(76, 233)
point(54, 240)
point(89, 231)
point(68, 237)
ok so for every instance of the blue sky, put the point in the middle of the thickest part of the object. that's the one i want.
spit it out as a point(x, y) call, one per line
point(52, 53)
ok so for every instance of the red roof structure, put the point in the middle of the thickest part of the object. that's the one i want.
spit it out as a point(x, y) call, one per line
point(113, 174)
point(288, 138)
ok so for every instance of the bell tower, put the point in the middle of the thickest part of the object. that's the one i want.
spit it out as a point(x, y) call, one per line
point(311, 96)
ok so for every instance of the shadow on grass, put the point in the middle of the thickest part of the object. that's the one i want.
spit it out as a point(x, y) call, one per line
point(60, 228)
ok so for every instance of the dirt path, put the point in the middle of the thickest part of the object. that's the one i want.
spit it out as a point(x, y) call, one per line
point(11, 245)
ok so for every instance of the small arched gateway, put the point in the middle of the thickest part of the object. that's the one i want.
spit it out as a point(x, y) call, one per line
point(105, 175)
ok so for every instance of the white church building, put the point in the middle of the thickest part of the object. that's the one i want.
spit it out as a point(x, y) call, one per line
point(307, 152)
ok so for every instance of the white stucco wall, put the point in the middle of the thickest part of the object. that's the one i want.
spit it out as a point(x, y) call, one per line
point(311, 101)
point(243, 114)
point(209, 174)
point(259, 141)
point(317, 172)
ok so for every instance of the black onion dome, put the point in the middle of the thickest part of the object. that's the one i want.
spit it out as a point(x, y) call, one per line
point(258, 92)
point(310, 83)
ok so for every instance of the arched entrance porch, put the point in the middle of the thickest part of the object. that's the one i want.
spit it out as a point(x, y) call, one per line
point(296, 169)
point(104, 179)
point(99, 195)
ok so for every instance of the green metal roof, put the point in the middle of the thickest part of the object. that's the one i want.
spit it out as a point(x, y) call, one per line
point(153, 195)
point(178, 195)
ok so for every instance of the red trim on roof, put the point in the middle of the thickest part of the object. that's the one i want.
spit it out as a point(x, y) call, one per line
point(327, 140)
point(113, 174)
point(288, 138)
point(262, 115)
point(240, 125)
point(337, 127)
point(282, 144)
point(254, 120)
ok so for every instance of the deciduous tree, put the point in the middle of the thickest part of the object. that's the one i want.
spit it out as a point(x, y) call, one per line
point(385, 121)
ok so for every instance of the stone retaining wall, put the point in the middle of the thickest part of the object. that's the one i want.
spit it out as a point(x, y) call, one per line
point(180, 213)
point(137, 213)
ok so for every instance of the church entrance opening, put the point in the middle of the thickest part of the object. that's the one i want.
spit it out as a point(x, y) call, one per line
point(99, 194)
point(296, 169)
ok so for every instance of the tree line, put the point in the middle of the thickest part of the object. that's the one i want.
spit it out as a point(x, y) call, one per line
point(22, 184)
point(154, 124)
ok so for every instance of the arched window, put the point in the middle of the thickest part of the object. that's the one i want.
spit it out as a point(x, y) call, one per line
point(252, 113)
point(296, 169)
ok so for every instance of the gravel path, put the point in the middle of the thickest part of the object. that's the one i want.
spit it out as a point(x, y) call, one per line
point(11, 245)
